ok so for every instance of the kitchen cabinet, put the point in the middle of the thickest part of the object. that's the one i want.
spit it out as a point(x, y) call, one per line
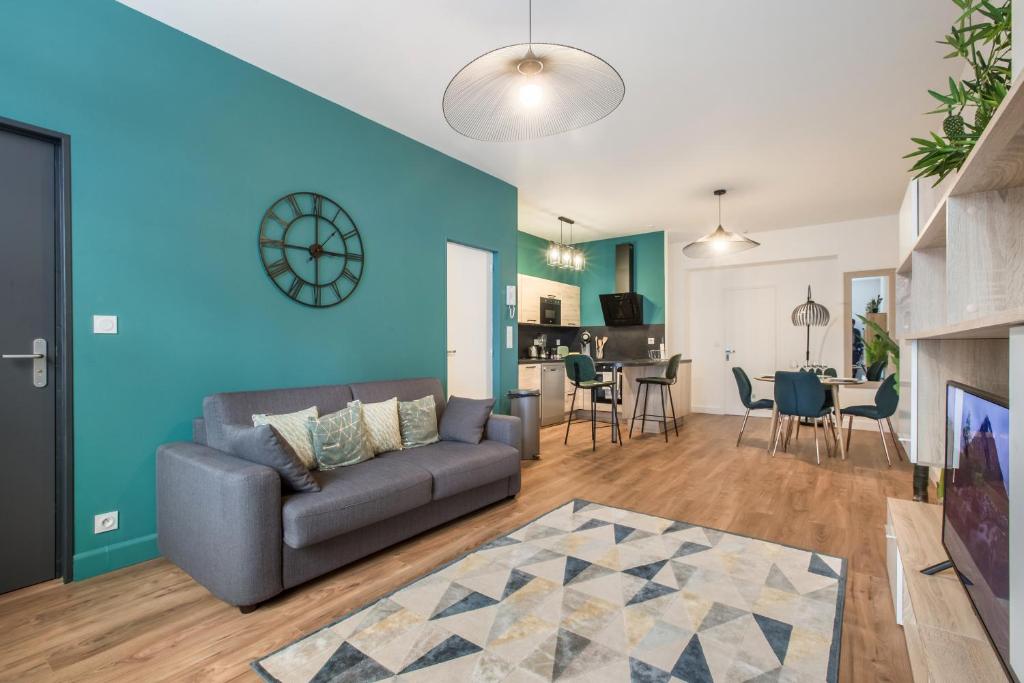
point(529, 376)
point(530, 291)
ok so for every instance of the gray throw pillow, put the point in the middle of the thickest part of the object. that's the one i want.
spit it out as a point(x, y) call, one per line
point(418, 420)
point(264, 446)
point(341, 439)
point(464, 419)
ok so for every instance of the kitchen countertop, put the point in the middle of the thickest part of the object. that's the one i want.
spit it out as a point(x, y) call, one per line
point(624, 362)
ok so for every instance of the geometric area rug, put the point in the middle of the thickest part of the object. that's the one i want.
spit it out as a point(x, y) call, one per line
point(593, 593)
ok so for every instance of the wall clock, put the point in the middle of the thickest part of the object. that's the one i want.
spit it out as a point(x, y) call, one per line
point(311, 249)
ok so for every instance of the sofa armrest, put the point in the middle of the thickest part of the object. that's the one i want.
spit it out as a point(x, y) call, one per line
point(219, 519)
point(507, 429)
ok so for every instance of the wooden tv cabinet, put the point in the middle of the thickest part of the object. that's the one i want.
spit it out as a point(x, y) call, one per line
point(945, 638)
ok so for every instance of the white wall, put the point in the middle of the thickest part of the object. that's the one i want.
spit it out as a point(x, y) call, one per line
point(788, 260)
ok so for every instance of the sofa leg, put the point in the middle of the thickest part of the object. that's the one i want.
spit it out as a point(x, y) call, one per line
point(247, 609)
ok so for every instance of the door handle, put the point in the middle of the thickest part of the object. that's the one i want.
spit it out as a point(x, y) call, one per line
point(451, 351)
point(38, 358)
point(728, 352)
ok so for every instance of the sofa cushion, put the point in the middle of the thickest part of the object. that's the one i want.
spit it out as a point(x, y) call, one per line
point(465, 419)
point(239, 407)
point(382, 426)
point(418, 422)
point(340, 439)
point(457, 467)
point(402, 389)
point(353, 497)
point(264, 446)
point(293, 428)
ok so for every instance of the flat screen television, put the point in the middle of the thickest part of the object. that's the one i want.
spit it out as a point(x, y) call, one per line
point(976, 506)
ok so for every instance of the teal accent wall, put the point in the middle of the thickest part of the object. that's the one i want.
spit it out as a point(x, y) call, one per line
point(177, 149)
point(599, 276)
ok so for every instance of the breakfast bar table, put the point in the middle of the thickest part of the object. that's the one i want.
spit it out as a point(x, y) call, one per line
point(833, 384)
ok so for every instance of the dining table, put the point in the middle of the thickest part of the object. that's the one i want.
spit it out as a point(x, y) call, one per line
point(833, 384)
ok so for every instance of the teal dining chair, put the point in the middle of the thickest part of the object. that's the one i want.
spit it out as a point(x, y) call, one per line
point(886, 401)
point(747, 398)
point(801, 395)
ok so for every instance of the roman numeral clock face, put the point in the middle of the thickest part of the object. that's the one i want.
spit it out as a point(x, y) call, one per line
point(311, 249)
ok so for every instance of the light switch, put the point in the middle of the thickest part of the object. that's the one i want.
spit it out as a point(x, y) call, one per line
point(104, 324)
point(508, 336)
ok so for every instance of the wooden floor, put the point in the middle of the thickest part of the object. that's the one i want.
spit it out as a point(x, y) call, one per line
point(151, 622)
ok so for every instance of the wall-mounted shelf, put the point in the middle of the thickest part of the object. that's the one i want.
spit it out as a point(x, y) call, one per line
point(995, 326)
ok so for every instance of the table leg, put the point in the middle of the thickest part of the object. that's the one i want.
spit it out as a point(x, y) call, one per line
point(774, 425)
point(839, 412)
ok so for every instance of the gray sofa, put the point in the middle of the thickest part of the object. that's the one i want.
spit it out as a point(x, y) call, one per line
point(226, 522)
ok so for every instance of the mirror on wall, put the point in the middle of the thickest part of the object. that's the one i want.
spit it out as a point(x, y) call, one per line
point(869, 297)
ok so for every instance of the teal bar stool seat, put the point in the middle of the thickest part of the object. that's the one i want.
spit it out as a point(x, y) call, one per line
point(663, 384)
point(580, 370)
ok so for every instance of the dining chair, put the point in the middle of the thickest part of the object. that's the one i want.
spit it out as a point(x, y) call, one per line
point(876, 370)
point(800, 395)
point(886, 402)
point(663, 384)
point(580, 370)
point(747, 399)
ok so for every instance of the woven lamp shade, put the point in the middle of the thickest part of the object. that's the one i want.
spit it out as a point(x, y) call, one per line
point(493, 98)
point(810, 313)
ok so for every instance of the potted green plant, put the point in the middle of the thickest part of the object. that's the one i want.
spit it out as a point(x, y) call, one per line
point(981, 37)
point(878, 345)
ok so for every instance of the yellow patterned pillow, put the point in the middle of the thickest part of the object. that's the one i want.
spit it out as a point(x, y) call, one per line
point(293, 428)
point(381, 420)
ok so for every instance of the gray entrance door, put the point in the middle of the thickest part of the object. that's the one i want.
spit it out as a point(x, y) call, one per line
point(28, 309)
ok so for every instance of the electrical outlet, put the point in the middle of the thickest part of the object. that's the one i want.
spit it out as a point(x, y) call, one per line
point(104, 522)
point(650, 340)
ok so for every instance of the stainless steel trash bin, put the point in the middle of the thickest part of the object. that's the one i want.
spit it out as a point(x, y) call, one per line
point(525, 404)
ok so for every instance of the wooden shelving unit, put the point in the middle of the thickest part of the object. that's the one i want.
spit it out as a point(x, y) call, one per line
point(960, 316)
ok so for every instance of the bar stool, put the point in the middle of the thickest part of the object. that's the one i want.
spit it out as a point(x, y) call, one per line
point(580, 370)
point(663, 384)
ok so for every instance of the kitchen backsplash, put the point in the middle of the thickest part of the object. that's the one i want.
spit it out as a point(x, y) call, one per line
point(623, 342)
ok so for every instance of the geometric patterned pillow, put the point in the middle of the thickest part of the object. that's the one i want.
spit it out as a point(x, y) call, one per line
point(340, 439)
point(293, 429)
point(381, 420)
point(418, 420)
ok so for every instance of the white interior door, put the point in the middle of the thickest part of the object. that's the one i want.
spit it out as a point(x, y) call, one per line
point(470, 302)
point(749, 341)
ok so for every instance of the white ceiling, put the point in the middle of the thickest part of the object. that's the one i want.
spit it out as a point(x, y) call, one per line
point(801, 108)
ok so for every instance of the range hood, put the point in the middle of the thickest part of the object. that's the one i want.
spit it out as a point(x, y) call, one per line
point(625, 306)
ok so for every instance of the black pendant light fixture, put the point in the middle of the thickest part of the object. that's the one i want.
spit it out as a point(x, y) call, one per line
point(563, 255)
point(721, 241)
point(810, 314)
point(531, 90)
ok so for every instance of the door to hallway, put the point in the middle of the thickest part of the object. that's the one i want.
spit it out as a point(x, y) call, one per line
point(31, 346)
point(470, 345)
point(749, 340)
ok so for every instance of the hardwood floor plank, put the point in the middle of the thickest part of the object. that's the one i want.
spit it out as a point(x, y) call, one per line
point(152, 622)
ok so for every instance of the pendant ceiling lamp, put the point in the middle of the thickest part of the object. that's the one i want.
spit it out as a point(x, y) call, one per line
point(531, 90)
point(721, 241)
point(809, 314)
point(562, 255)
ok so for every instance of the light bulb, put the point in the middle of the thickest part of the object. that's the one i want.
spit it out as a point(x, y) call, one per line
point(719, 244)
point(530, 94)
point(554, 257)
